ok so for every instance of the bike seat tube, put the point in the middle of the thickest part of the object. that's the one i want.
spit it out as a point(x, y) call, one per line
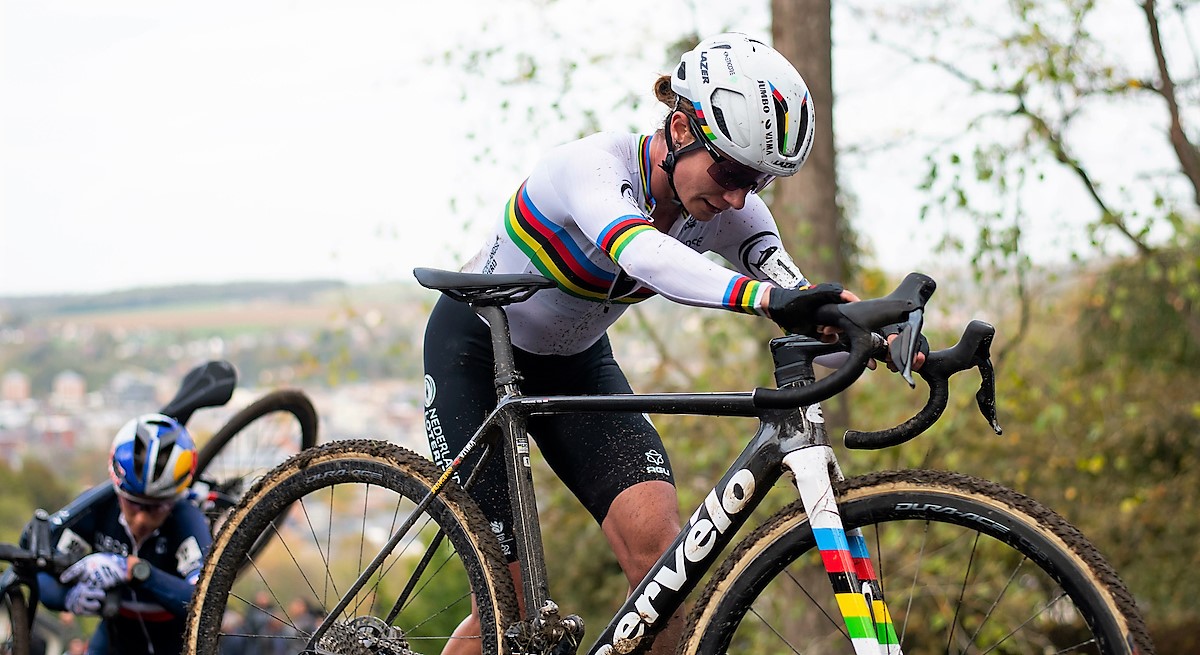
point(527, 527)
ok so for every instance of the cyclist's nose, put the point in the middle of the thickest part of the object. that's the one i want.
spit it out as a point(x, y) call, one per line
point(736, 198)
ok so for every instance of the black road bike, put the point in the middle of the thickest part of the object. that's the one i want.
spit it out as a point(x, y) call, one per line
point(266, 432)
point(394, 553)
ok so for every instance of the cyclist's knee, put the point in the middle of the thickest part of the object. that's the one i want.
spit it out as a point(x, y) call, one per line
point(641, 523)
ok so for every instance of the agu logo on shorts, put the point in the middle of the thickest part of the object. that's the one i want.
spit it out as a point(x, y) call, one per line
point(656, 460)
point(430, 391)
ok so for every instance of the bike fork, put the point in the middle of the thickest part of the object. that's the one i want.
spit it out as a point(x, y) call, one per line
point(858, 590)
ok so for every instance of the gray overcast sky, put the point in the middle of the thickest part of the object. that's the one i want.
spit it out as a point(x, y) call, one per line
point(162, 141)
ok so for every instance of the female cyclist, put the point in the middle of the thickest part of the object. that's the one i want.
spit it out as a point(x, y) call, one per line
point(613, 219)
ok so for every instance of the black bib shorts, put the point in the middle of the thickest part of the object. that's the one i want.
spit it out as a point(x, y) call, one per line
point(596, 455)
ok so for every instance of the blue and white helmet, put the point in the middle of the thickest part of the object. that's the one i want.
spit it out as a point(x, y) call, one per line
point(153, 458)
point(752, 103)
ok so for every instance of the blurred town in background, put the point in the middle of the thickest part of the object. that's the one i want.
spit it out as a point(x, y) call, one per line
point(74, 369)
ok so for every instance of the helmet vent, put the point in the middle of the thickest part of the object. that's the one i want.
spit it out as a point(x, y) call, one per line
point(781, 127)
point(681, 72)
point(798, 138)
point(719, 117)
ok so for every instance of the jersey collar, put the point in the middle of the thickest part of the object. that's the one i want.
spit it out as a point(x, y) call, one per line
point(644, 169)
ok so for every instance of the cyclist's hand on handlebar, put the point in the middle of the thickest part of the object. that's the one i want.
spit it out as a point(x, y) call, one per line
point(102, 570)
point(85, 599)
point(794, 309)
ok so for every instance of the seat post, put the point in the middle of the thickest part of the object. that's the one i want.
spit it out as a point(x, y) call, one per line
point(502, 348)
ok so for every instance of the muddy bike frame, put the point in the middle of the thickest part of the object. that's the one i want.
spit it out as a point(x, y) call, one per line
point(791, 436)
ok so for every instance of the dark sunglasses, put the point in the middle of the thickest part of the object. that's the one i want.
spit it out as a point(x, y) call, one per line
point(727, 173)
point(150, 507)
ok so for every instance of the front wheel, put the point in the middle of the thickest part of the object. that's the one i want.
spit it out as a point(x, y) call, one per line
point(966, 566)
point(329, 511)
point(14, 623)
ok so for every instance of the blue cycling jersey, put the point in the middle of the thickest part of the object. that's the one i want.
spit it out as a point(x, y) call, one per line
point(152, 613)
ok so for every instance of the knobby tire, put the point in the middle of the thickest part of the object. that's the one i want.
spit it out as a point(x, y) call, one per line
point(340, 492)
point(1009, 548)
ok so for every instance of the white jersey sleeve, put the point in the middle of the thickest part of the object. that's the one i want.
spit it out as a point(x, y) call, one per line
point(582, 219)
point(589, 186)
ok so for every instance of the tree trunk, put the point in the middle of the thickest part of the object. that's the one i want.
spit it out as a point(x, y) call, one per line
point(805, 205)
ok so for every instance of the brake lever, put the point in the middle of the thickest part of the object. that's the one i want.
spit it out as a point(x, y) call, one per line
point(903, 349)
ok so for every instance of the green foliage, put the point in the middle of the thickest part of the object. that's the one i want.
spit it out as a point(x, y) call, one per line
point(35, 485)
point(1148, 310)
point(1099, 426)
point(1098, 391)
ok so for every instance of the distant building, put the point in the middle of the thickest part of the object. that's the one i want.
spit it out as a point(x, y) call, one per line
point(54, 433)
point(135, 388)
point(68, 391)
point(14, 386)
point(13, 441)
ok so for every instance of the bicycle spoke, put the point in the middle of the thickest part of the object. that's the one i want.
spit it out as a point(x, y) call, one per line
point(366, 497)
point(996, 603)
point(418, 571)
point(1025, 623)
point(962, 593)
point(836, 622)
point(775, 632)
point(329, 545)
point(916, 573)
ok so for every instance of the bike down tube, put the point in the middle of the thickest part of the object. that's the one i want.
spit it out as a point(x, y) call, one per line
point(704, 537)
point(856, 587)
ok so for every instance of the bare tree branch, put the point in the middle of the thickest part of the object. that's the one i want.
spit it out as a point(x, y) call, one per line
point(1185, 150)
point(1055, 142)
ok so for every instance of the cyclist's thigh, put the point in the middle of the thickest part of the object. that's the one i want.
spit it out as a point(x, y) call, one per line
point(597, 455)
point(459, 393)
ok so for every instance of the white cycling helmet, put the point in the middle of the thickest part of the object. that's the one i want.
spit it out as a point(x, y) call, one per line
point(752, 104)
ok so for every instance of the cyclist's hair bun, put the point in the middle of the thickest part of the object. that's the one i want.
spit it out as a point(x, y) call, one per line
point(664, 92)
point(666, 95)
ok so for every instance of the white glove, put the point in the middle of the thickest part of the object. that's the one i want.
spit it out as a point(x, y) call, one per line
point(85, 599)
point(102, 570)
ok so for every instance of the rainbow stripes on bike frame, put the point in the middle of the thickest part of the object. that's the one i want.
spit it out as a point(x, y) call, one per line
point(845, 556)
point(853, 578)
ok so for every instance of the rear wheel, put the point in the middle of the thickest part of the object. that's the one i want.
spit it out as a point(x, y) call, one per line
point(347, 498)
point(14, 623)
point(258, 438)
point(966, 566)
